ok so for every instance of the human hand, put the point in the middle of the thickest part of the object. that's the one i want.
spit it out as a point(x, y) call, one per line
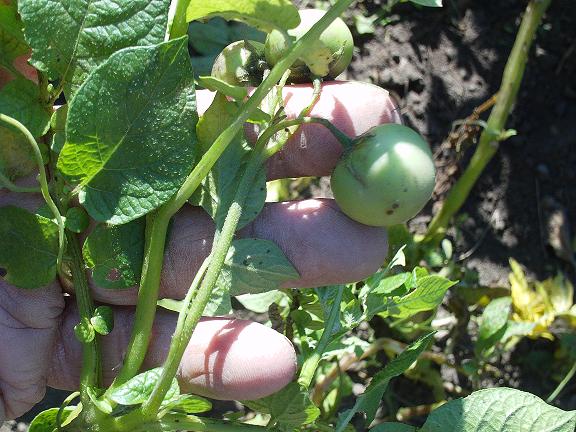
point(226, 358)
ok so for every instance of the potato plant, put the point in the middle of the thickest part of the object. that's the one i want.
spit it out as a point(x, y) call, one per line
point(113, 132)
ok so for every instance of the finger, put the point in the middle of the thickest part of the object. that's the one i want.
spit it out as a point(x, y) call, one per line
point(353, 107)
point(324, 245)
point(28, 323)
point(225, 359)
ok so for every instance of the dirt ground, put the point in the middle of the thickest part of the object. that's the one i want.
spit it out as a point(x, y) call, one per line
point(443, 63)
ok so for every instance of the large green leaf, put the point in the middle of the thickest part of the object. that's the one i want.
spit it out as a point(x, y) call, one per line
point(70, 38)
point(12, 43)
point(20, 99)
point(130, 138)
point(219, 187)
point(500, 410)
point(28, 248)
point(115, 254)
point(289, 408)
point(428, 3)
point(369, 400)
point(264, 15)
point(254, 266)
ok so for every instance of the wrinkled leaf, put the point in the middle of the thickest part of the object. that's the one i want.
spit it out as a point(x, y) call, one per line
point(28, 248)
point(368, 402)
point(290, 407)
point(499, 410)
point(262, 15)
point(136, 390)
point(134, 153)
point(20, 99)
point(103, 320)
point(254, 266)
point(70, 39)
point(115, 253)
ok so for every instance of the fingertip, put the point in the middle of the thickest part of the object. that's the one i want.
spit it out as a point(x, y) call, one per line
point(239, 360)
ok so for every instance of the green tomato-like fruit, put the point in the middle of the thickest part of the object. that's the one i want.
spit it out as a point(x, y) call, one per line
point(387, 178)
point(241, 63)
point(326, 58)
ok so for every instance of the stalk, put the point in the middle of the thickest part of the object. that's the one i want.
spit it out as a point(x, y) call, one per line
point(198, 299)
point(154, 253)
point(156, 231)
point(489, 139)
point(91, 373)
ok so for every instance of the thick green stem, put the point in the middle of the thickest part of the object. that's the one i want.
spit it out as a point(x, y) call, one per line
point(156, 230)
point(199, 300)
point(91, 372)
point(488, 144)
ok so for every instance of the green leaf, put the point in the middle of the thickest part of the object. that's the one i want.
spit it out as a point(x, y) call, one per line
point(58, 125)
point(260, 303)
point(103, 320)
point(368, 402)
point(16, 156)
point(136, 390)
point(428, 3)
point(393, 427)
point(428, 294)
point(28, 248)
point(77, 220)
point(130, 139)
point(493, 325)
point(254, 266)
point(12, 43)
point(46, 420)
point(499, 410)
point(219, 187)
point(216, 85)
point(20, 99)
point(265, 16)
point(70, 39)
point(115, 254)
point(289, 408)
point(84, 331)
point(188, 404)
point(220, 303)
